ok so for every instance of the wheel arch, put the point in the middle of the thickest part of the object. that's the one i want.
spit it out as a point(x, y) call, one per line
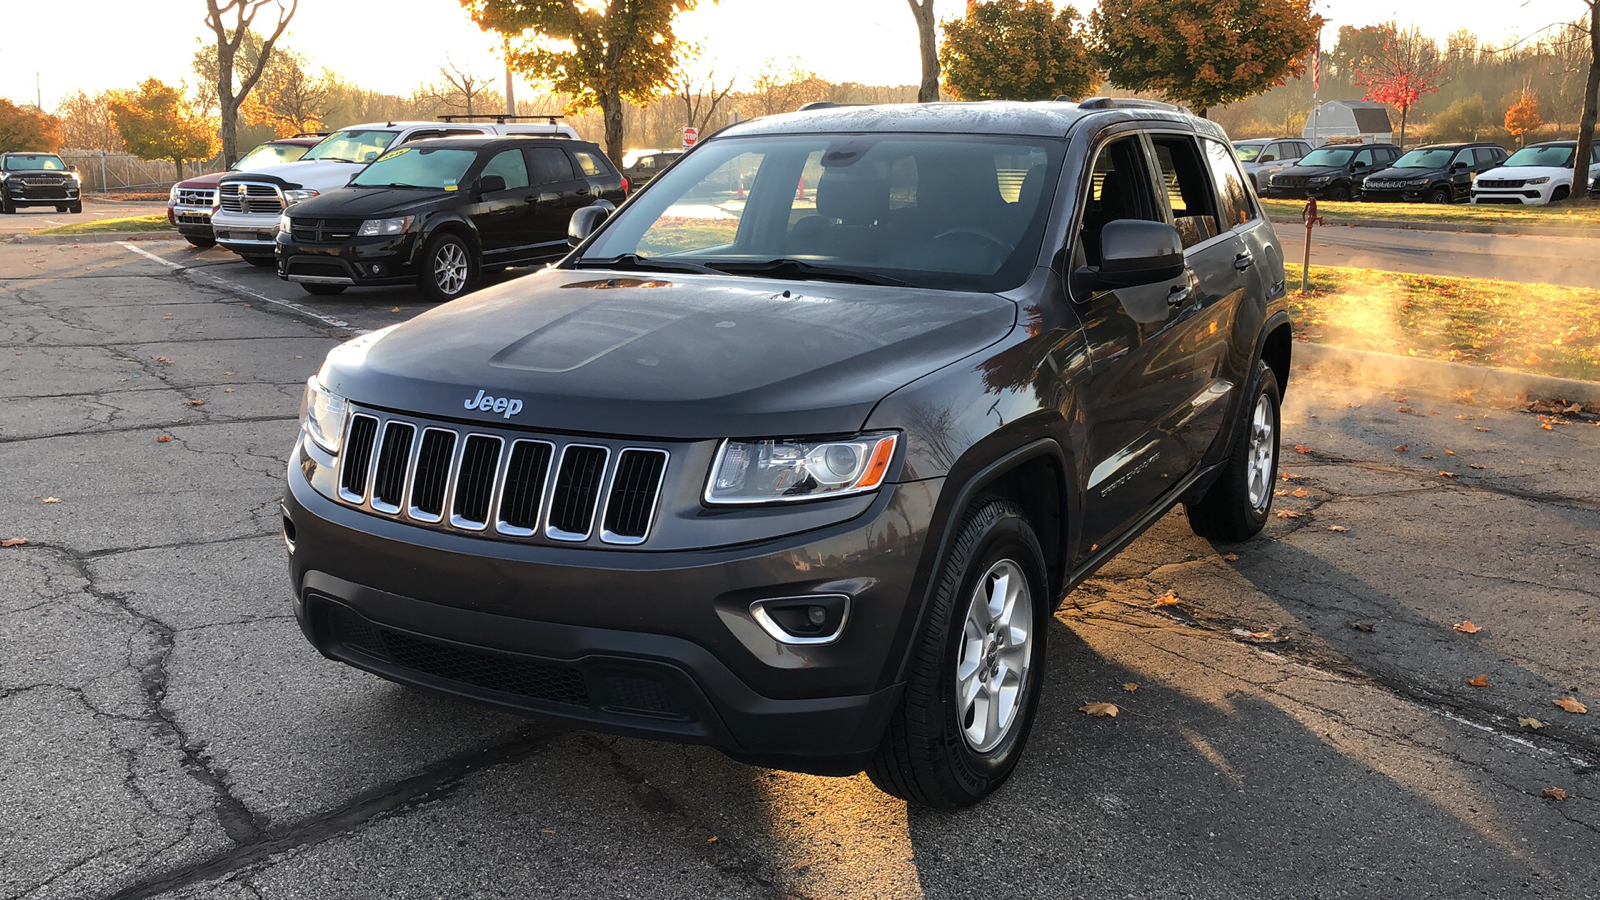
point(461, 228)
point(1277, 348)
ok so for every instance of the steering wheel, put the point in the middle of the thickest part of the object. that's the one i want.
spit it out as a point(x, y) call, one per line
point(1002, 249)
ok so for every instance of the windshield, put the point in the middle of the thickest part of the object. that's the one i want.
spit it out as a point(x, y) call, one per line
point(352, 146)
point(1328, 156)
point(269, 155)
point(1555, 157)
point(944, 211)
point(34, 162)
point(1425, 159)
point(1248, 152)
point(419, 167)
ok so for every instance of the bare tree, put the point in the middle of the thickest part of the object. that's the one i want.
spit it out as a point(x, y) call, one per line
point(87, 124)
point(465, 87)
point(1591, 111)
point(700, 95)
point(230, 21)
point(922, 11)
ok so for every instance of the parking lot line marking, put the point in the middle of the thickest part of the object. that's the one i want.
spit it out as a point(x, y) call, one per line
point(241, 289)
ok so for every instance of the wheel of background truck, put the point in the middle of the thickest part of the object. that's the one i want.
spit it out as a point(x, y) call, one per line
point(977, 667)
point(6, 206)
point(261, 262)
point(76, 207)
point(448, 268)
point(1235, 507)
point(61, 207)
point(1440, 194)
point(1339, 192)
point(201, 242)
point(1559, 194)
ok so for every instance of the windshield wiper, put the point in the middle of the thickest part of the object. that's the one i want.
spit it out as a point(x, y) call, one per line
point(800, 269)
point(643, 264)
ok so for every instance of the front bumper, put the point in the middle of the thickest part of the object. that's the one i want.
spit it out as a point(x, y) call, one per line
point(652, 644)
point(1515, 196)
point(245, 235)
point(191, 221)
point(1395, 195)
point(61, 194)
point(375, 260)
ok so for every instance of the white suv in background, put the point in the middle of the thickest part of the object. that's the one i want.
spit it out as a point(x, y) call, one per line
point(1538, 173)
point(250, 203)
point(1262, 158)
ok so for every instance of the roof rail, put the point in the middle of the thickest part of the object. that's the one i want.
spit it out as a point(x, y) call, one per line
point(501, 119)
point(818, 104)
point(305, 134)
point(1127, 103)
point(1063, 98)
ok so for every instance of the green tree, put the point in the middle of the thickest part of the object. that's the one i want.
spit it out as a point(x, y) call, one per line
point(27, 128)
point(1017, 50)
point(156, 123)
point(597, 52)
point(1204, 52)
point(236, 77)
point(1467, 119)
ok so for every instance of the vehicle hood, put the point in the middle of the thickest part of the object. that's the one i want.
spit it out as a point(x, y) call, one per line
point(317, 174)
point(203, 181)
point(1554, 173)
point(1314, 171)
point(1398, 174)
point(674, 357)
point(366, 203)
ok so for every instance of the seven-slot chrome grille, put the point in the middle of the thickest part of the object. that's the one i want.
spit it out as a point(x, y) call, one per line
point(505, 486)
point(250, 198)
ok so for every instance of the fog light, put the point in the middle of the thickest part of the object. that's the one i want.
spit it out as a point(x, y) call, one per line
point(817, 615)
point(817, 619)
point(377, 269)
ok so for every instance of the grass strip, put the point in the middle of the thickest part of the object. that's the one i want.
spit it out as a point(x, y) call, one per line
point(157, 222)
point(1439, 213)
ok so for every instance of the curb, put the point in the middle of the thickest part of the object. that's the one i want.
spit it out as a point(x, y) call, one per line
point(99, 237)
point(1452, 227)
point(1413, 374)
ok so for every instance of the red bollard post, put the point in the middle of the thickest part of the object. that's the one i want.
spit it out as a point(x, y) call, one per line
point(1310, 217)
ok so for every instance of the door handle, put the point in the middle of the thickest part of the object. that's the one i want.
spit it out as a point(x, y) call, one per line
point(1180, 294)
point(583, 192)
point(1243, 260)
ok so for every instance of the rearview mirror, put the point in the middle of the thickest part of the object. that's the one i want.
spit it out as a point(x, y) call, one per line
point(1134, 252)
point(587, 221)
point(491, 184)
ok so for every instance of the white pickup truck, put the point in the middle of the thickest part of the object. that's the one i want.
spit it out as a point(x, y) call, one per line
point(250, 203)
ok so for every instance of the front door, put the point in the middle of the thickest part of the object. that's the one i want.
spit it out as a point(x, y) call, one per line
point(505, 219)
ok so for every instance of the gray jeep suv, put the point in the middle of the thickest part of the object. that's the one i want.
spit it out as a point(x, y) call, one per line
point(797, 452)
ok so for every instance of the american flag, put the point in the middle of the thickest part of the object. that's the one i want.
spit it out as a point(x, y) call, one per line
point(1316, 69)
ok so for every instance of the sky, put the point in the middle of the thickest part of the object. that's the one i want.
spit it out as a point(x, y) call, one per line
point(116, 44)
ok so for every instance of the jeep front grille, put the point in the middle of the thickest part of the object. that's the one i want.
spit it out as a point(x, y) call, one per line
point(501, 486)
point(253, 200)
point(1501, 182)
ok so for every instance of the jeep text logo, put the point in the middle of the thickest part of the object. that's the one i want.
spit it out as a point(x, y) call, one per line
point(504, 405)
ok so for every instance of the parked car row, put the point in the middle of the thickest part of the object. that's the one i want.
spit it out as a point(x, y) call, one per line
point(1478, 171)
point(434, 203)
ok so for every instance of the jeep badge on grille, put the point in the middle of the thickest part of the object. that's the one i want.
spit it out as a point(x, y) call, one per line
point(506, 406)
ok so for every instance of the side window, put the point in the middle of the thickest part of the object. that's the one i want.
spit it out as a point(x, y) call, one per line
point(1301, 148)
point(588, 163)
point(1271, 153)
point(1364, 158)
point(1464, 157)
point(509, 164)
point(1194, 211)
point(1119, 188)
point(1237, 208)
point(550, 165)
point(1483, 155)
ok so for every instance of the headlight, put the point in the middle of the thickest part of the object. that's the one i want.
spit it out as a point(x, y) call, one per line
point(292, 197)
point(172, 195)
point(283, 223)
point(385, 226)
point(767, 471)
point(1417, 182)
point(1320, 179)
point(1544, 180)
point(322, 415)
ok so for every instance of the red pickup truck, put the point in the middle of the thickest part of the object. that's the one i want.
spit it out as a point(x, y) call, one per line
point(191, 202)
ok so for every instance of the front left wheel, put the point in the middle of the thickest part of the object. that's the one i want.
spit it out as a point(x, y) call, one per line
point(1440, 194)
point(977, 670)
point(448, 268)
point(1235, 507)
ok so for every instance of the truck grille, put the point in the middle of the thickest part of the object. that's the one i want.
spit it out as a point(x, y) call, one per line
point(1502, 182)
point(502, 486)
point(1288, 181)
point(206, 197)
point(251, 199)
point(324, 231)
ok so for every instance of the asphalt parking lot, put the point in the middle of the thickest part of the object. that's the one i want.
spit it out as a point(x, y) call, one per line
point(1300, 723)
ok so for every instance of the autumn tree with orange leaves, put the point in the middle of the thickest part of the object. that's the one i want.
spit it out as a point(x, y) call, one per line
point(1017, 50)
point(1204, 53)
point(1403, 68)
point(1523, 116)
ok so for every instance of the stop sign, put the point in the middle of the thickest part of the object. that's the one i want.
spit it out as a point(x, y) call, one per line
point(690, 135)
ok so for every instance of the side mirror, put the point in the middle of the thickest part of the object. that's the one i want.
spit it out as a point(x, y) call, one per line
point(1267, 158)
point(491, 184)
point(72, 168)
point(587, 221)
point(1135, 252)
point(1458, 166)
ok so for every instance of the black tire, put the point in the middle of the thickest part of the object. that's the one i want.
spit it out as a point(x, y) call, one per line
point(61, 207)
point(448, 268)
point(926, 756)
point(1226, 512)
point(1339, 192)
point(202, 242)
point(7, 207)
point(1559, 194)
point(324, 290)
point(261, 262)
point(1441, 194)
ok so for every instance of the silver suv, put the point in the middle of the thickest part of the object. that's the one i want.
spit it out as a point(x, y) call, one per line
point(1262, 158)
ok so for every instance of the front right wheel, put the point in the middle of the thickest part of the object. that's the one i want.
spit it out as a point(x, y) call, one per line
point(976, 673)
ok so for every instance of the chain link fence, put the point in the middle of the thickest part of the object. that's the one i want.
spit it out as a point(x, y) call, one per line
point(112, 172)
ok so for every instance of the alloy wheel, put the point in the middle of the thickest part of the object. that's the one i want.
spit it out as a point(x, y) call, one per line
point(450, 268)
point(1263, 447)
point(992, 665)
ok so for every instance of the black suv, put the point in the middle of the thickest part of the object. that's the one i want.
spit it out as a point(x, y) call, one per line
point(439, 211)
point(38, 179)
point(642, 165)
point(1332, 172)
point(1438, 173)
point(798, 452)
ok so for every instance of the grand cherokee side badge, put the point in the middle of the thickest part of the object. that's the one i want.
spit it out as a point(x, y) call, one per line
point(506, 406)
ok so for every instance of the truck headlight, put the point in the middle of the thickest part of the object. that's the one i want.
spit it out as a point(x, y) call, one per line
point(290, 198)
point(781, 470)
point(172, 195)
point(322, 415)
point(385, 226)
point(1320, 179)
point(1544, 180)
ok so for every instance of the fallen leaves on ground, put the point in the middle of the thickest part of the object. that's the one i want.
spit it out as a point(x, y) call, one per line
point(1290, 476)
point(1481, 428)
point(1529, 722)
point(1404, 409)
point(1099, 710)
point(52, 500)
point(195, 402)
point(1280, 493)
point(13, 542)
point(1338, 528)
point(1555, 793)
point(1480, 681)
point(1130, 686)
point(1444, 474)
point(1301, 448)
point(1571, 705)
point(165, 360)
point(1288, 514)
point(1449, 453)
point(1427, 456)
point(1230, 557)
point(1401, 448)
point(1167, 599)
point(163, 438)
point(1300, 492)
point(1400, 399)
point(227, 390)
point(1467, 627)
point(1476, 466)
point(1360, 626)
point(395, 310)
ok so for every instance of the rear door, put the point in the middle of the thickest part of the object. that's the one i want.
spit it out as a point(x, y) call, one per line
point(605, 182)
point(559, 190)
